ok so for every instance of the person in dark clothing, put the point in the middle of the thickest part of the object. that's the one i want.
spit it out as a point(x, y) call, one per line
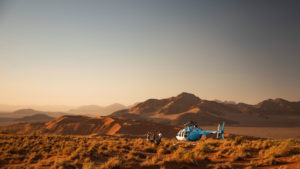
point(153, 138)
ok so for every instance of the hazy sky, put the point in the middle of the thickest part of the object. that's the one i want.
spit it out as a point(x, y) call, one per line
point(102, 52)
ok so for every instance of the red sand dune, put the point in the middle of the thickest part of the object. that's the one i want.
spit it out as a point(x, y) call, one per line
point(83, 125)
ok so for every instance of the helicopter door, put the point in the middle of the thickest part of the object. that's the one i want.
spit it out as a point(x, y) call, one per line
point(181, 135)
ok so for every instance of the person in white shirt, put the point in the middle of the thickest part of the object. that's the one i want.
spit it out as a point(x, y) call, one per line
point(159, 136)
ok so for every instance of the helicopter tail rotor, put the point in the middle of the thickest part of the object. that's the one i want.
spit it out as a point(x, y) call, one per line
point(220, 133)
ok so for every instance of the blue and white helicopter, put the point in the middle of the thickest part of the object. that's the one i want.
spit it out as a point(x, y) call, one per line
point(192, 133)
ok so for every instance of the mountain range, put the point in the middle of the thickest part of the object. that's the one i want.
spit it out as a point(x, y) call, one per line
point(185, 107)
point(167, 115)
point(179, 109)
point(59, 110)
point(31, 115)
point(95, 110)
point(27, 116)
point(29, 112)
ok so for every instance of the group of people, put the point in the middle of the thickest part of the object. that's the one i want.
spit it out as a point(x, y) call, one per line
point(154, 137)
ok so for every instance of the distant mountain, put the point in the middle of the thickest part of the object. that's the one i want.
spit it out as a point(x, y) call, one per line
point(30, 112)
point(83, 125)
point(278, 106)
point(175, 110)
point(35, 118)
point(185, 107)
point(95, 110)
point(45, 108)
point(27, 115)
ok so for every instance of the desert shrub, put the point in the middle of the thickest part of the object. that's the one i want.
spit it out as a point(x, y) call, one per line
point(203, 148)
point(103, 147)
point(88, 165)
point(61, 163)
point(224, 149)
point(285, 148)
point(226, 165)
point(162, 167)
point(154, 161)
point(213, 142)
point(34, 157)
point(178, 153)
point(238, 154)
point(162, 151)
point(68, 150)
point(112, 163)
point(80, 153)
point(139, 141)
point(135, 155)
point(74, 155)
point(187, 156)
point(267, 144)
point(219, 155)
point(126, 147)
point(264, 162)
point(44, 163)
point(238, 140)
point(92, 152)
point(130, 156)
point(150, 149)
point(283, 167)
point(139, 155)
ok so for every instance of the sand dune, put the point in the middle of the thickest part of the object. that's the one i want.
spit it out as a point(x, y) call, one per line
point(83, 125)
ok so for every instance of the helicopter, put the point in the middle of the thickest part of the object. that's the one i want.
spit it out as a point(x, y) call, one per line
point(192, 133)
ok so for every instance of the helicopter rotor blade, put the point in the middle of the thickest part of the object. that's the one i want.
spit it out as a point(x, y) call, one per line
point(223, 126)
point(218, 131)
point(222, 131)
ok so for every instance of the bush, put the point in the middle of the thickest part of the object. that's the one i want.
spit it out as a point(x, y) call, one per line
point(238, 140)
point(264, 162)
point(154, 161)
point(203, 148)
point(226, 165)
point(112, 163)
point(285, 148)
point(89, 165)
point(238, 154)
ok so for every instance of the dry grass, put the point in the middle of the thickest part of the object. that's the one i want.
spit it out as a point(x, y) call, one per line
point(53, 151)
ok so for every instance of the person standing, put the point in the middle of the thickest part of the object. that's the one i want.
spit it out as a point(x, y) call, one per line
point(159, 136)
point(148, 136)
point(153, 137)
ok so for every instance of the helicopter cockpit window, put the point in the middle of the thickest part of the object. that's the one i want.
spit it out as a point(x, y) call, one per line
point(180, 133)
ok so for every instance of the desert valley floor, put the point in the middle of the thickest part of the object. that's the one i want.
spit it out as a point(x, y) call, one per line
point(263, 132)
point(54, 151)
